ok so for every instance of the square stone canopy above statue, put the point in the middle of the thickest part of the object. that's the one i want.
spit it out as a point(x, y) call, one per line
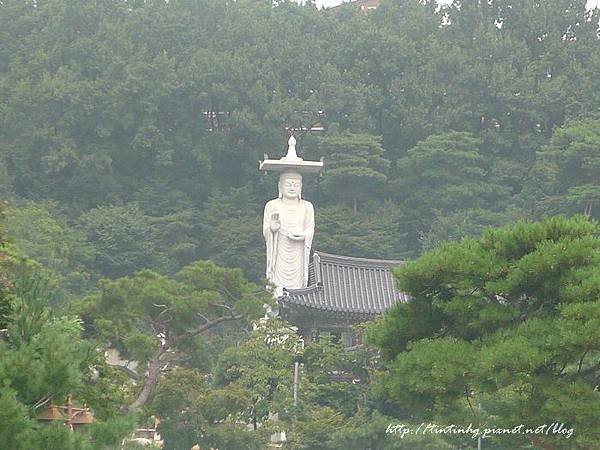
point(281, 165)
point(291, 162)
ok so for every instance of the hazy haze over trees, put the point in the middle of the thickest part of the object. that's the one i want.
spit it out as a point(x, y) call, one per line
point(448, 110)
point(130, 133)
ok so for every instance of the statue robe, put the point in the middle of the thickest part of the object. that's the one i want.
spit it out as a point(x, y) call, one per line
point(287, 259)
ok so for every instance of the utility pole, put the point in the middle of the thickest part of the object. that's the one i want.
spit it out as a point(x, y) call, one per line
point(479, 437)
point(296, 381)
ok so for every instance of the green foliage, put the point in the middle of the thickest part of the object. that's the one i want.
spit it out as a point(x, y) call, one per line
point(336, 378)
point(162, 323)
point(468, 222)
point(470, 115)
point(105, 106)
point(356, 167)
point(229, 227)
point(122, 239)
point(30, 306)
point(5, 283)
point(368, 430)
point(172, 401)
point(130, 312)
point(373, 231)
point(263, 365)
point(41, 234)
point(248, 381)
point(44, 358)
point(253, 381)
point(104, 434)
point(14, 419)
point(315, 427)
point(507, 322)
point(443, 174)
point(567, 169)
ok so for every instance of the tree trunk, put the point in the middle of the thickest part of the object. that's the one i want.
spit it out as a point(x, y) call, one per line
point(354, 205)
point(155, 363)
point(151, 380)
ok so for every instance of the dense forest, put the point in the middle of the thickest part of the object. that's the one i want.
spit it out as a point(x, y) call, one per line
point(438, 122)
point(130, 137)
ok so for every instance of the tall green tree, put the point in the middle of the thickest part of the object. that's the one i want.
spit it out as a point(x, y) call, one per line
point(466, 223)
point(501, 331)
point(567, 170)
point(228, 231)
point(156, 320)
point(43, 357)
point(375, 231)
point(356, 169)
point(443, 174)
point(122, 239)
point(5, 282)
point(42, 233)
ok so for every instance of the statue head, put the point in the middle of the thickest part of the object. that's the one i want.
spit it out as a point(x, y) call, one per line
point(290, 185)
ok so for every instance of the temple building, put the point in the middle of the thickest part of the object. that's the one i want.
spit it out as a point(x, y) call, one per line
point(324, 294)
point(342, 291)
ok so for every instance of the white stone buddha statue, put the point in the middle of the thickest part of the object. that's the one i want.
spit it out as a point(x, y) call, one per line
point(288, 228)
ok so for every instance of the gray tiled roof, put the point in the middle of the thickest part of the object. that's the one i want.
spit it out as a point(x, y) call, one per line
point(347, 285)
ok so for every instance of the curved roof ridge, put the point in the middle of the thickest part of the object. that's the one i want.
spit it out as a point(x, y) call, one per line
point(304, 290)
point(330, 257)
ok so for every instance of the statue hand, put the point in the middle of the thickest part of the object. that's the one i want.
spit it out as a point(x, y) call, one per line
point(296, 236)
point(275, 225)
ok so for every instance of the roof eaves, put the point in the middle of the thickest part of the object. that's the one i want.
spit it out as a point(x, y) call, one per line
point(355, 261)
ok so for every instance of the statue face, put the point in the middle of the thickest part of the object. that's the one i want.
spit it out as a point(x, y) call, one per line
point(290, 185)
